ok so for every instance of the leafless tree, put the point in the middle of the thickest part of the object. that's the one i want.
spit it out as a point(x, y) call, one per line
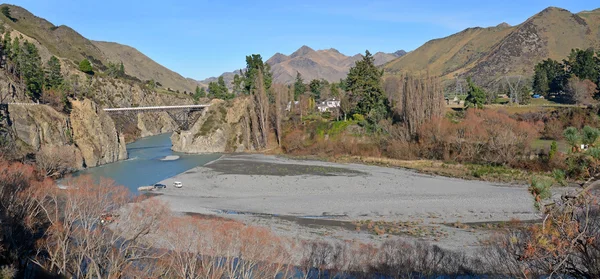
point(91, 234)
point(261, 105)
point(55, 161)
point(280, 92)
point(415, 100)
point(581, 91)
point(19, 213)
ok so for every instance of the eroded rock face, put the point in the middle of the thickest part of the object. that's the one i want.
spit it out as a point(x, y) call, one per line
point(222, 127)
point(151, 124)
point(38, 125)
point(95, 135)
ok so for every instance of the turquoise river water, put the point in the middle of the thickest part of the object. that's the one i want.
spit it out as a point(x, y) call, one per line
point(145, 167)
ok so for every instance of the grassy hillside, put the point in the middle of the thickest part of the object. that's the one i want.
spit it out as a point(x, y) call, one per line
point(66, 43)
point(60, 41)
point(488, 54)
point(141, 66)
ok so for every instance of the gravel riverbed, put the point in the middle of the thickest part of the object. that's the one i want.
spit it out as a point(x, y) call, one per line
point(254, 188)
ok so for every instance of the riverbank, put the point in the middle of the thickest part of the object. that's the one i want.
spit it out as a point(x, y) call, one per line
point(282, 194)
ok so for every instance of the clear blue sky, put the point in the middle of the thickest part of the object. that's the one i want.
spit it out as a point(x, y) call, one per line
point(199, 39)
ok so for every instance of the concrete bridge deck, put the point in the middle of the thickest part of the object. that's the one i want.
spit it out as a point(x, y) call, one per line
point(157, 108)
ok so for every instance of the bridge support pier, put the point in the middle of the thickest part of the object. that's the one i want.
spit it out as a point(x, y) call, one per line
point(184, 118)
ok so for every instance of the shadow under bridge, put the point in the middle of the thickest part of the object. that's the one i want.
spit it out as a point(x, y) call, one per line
point(183, 115)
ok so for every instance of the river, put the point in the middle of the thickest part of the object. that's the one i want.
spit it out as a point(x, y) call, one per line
point(145, 167)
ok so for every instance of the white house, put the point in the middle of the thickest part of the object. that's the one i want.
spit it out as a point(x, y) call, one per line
point(328, 104)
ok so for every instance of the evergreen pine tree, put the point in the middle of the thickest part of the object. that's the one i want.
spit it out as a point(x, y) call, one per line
point(475, 95)
point(365, 86)
point(53, 73)
point(30, 65)
point(299, 87)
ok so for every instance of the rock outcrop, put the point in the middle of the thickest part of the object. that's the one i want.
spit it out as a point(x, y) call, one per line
point(222, 127)
point(89, 130)
point(37, 125)
point(151, 124)
point(95, 134)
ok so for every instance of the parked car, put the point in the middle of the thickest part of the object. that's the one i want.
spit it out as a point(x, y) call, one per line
point(177, 184)
point(159, 186)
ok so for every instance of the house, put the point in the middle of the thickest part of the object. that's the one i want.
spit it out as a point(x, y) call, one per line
point(328, 105)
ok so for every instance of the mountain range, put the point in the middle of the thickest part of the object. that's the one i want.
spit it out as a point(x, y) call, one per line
point(485, 54)
point(328, 64)
point(490, 54)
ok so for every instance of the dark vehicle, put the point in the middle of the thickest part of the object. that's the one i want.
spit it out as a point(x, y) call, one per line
point(159, 186)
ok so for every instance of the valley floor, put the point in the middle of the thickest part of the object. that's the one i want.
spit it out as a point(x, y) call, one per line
point(314, 199)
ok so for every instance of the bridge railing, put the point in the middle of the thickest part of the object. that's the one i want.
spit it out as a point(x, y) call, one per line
point(180, 107)
point(21, 104)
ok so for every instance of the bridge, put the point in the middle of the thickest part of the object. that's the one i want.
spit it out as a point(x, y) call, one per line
point(182, 114)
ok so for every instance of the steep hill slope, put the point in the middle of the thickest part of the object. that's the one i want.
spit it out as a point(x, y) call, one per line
point(488, 54)
point(143, 67)
point(66, 43)
point(61, 41)
point(328, 64)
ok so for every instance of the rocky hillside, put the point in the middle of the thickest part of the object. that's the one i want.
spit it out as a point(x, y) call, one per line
point(488, 54)
point(66, 43)
point(222, 127)
point(88, 130)
point(328, 64)
point(143, 67)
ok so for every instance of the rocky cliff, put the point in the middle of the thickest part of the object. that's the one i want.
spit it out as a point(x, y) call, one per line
point(222, 127)
point(95, 135)
point(88, 129)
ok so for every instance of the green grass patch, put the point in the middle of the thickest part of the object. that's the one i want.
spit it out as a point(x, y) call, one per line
point(497, 173)
point(545, 144)
point(331, 128)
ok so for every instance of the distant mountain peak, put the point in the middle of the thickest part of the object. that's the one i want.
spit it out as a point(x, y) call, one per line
point(329, 64)
point(552, 8)
point(399, 53)
point(303, 50)
point(503, 25)
point(277, 58)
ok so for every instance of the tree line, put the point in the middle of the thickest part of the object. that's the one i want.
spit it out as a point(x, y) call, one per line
point(575, 79)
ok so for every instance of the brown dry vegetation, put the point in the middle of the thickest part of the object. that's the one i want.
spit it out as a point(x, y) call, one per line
point(97, 223)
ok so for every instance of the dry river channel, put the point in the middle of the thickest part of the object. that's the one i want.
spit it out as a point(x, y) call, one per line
point(321, 200)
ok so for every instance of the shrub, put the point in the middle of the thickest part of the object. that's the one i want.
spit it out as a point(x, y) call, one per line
point(553, 150)
point(485, 136)
point(86, 67)
point(559, 176)
point(7, 272)
point(589, 135)
point(594, 152)
point(540, 188)
point(358, 117)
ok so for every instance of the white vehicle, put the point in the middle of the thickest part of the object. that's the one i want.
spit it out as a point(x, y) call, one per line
point(177, 184)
